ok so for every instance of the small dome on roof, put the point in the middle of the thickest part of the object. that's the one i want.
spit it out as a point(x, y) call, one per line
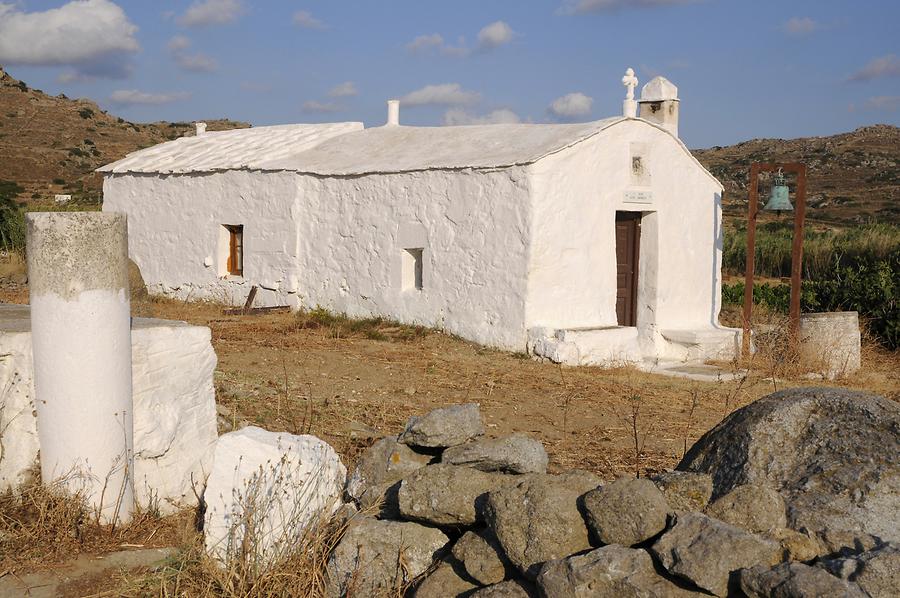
point(659, 89)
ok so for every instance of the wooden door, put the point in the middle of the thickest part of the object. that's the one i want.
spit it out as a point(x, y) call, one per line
point(628, 242)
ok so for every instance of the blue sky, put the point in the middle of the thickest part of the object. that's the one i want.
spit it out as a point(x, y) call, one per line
point(744, 68)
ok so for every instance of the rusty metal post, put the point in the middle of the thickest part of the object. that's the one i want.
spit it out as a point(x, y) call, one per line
point(752, 211)
point(797, 250)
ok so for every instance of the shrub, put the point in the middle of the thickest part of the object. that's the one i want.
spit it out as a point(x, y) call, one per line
point(820, 249)
point(12, 217)
point(86, 113)
point(869, 285)
point(59, 181)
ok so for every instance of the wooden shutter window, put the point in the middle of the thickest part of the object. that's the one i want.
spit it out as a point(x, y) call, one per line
point(235, 264)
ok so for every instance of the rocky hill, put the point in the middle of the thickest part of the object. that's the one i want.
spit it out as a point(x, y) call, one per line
point(52, 144)
point(853, 177)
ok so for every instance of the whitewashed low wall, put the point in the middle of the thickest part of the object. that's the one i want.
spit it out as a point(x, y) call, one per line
point(174, 407)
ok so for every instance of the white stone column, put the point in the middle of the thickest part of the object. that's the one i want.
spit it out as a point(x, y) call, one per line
point(81, 336)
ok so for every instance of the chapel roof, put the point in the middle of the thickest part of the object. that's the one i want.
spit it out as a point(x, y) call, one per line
point(406, 149)
point(349, 149)
point(229, 150)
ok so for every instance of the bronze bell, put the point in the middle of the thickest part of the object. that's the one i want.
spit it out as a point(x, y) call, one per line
point(779, 201)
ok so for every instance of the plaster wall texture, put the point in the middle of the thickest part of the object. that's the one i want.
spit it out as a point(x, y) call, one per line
point(472, 226)
point(81, 343)
point(174, 408)
point(572, 269)
point(175, 223)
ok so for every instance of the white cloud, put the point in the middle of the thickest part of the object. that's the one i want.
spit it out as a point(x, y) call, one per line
point(343, 90)
point(178, 43)
point(494, 35)
point(445, 94)
point(885, 103)
point(885, 66)
point(321, 107)
point(800, 26)
point(130, 97)
point(574, 7)
point(571, 106)
point(198, 63)
point(425, 42)
point(458, 50)
point(435, 41)
point(95, 37)
point(303, 18)
point(211, 12)
point(458, 116)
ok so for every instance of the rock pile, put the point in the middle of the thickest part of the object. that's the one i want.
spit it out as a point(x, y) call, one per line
point(746, 513)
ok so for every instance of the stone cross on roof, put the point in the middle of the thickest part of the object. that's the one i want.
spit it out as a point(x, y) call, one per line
point(630, 82)
point(629, 106)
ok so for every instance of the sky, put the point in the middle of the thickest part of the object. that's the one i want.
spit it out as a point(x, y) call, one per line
point(744, 68)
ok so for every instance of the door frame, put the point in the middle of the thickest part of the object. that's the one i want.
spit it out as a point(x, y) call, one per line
point(634, 217)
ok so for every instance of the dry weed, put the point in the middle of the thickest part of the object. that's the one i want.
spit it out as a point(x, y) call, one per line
point(41, 525)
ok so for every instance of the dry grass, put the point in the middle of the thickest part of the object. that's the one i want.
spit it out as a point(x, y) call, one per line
point(336, 378)
point(43, 525)
point(300, 572)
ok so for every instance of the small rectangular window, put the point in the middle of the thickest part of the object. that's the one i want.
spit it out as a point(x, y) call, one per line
point(412, 269)
point(235, 262)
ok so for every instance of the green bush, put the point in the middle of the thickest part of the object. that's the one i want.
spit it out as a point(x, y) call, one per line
point(12, 217)
point(86, 113)
point(869, 285)
point(820, 249)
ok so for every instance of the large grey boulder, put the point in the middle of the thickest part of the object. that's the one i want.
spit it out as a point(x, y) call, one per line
point(794, 580)
point(752, 507)
point(506, 589)
point(876, 571)
point(684, 490)
point(833, 454)
point(385, 462)
point(609, 572)
point(482, 557)
point(444, 427)
point(540, 518)
point(707, 552)
point(365, 561)
point(510, 454)
point(448, 579)
point(797, 546)
point(447, 495)
point(627, 511)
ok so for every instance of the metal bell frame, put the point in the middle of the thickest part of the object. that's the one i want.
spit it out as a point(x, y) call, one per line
point(797, 246)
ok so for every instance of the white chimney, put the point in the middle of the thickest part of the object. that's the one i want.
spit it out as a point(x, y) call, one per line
point(201, 128)
point(659, 103)
point(393, 118)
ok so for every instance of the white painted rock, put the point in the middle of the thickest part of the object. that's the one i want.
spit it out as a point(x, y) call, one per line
point(278, 482)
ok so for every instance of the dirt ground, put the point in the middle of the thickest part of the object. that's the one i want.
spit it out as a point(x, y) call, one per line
point(288, 372)
point(349, 382)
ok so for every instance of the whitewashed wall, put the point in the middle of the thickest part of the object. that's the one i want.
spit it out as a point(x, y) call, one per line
point(577, 191)
point(473, 226)
point(175, 224)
